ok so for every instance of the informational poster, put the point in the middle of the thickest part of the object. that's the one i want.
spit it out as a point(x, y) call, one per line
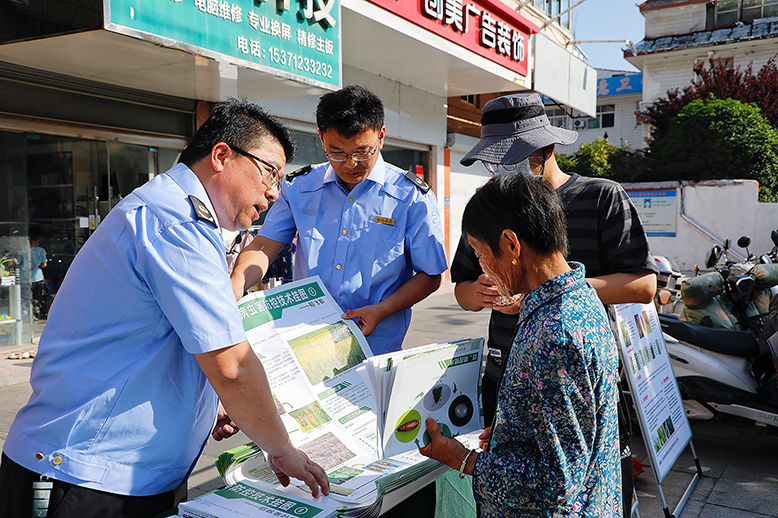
point(652, 384)
point(658, 210)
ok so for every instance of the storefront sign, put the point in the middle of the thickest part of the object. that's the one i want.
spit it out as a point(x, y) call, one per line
point(487, 28)
point(298, 39)
point(657, 209)
point(620, 85)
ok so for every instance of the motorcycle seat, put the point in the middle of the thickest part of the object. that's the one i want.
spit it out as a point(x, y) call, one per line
point(725, 341)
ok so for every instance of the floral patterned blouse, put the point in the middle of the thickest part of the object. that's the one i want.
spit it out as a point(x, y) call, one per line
point(554, 451)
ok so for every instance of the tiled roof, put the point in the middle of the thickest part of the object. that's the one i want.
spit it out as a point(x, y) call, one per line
point(650, 5)
point(758, 29)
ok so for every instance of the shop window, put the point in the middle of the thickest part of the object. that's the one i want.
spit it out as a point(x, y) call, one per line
point(470, 100)
point(727, 63)
point(607, 115)
point(606, 118)
point(732, 11)
point(553, 7)
point(557, 117)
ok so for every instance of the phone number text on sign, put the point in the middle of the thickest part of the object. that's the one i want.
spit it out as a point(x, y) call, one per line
point(285, 58)
point(298, 62)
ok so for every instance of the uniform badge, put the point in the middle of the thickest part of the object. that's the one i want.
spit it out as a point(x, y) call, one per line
point(201, 211)
point(385, 221)
point(418, 182)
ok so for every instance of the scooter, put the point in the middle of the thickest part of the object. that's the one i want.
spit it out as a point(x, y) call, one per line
point(668, 285)
point(725, 370)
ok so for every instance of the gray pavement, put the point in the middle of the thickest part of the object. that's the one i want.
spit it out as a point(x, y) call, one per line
point(739, 459)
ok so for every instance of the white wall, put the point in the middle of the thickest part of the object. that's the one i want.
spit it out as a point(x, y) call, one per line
point(665, 72)
point(710, 212)
point(411, 114)
point(678, 20)
point(626, 129)
point(464, 182)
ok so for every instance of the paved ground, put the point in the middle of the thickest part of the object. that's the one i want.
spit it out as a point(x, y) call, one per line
point(740, 460)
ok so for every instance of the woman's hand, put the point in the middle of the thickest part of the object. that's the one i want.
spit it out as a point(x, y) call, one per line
point(512, 308)
point(447, 451)
point(483, 439)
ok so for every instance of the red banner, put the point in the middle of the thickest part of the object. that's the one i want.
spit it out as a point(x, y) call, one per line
point(485, 27)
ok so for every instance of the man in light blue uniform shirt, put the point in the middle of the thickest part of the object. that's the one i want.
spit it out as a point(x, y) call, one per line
point(144, 353)
point(370, 230)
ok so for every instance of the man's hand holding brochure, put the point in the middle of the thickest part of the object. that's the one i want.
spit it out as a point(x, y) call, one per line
point(360, 417)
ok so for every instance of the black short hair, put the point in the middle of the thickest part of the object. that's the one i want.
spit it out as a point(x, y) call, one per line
point(350, 111)
point(34, 232)
point(239, 123)
point(525, 205)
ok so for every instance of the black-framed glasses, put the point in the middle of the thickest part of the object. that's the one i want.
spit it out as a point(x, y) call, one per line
point(275, 175)
point(359, 156)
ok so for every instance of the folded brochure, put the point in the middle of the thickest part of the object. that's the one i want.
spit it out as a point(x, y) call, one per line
point(360, 417)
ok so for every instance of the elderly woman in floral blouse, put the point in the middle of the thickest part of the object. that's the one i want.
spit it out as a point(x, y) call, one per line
point(552, 449)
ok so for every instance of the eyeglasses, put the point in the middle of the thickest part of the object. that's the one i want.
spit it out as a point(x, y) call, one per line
point(360, 156)
point(275, 176)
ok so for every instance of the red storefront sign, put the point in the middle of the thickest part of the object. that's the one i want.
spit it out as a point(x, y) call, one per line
point(486, 27)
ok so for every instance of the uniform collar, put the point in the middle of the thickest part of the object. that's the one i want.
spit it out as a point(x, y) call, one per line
point(191, 185)
point(553, 288)
point(377, 175)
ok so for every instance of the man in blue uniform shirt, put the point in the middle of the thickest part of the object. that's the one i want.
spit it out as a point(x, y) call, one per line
point(369, 230)
point(145, 335)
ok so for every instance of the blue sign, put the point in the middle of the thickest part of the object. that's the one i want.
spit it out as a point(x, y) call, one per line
point(620, 85)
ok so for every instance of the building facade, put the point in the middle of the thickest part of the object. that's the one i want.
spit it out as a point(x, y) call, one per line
point(619, 95)
point(680, 34)
point(101, 95)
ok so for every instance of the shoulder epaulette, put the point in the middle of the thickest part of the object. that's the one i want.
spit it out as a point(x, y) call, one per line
point(418, 182)
point(201, 211)
point(299, 172)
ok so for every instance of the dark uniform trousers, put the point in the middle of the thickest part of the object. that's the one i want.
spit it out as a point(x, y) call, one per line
point(69, 501)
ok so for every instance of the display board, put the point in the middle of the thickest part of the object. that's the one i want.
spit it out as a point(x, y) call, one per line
point(658, 210)
point(652, 384)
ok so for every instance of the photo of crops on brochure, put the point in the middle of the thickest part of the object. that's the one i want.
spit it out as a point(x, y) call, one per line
point(361, 417)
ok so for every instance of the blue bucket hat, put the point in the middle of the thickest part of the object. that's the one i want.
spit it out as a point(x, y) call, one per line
point(512, 128)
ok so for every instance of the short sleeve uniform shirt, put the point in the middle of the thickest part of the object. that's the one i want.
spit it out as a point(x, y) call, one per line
point(363, 244)
point(119, 402)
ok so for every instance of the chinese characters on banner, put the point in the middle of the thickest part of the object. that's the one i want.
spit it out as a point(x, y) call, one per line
point(482, 26)
point(300, 38)
point(631, 84)
point(272, 26)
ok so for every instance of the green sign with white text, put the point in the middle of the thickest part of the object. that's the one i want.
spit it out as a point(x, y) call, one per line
point(296, 39)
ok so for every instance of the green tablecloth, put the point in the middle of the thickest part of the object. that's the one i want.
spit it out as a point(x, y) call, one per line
point(454, 496)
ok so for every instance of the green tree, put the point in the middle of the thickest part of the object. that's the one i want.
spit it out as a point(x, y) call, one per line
point(760, 88)
point(719, 139)
point(601, 159)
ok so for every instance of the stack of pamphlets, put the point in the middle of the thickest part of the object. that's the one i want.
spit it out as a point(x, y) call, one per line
point(251, 500)
point(360, 417)
point(228, 460)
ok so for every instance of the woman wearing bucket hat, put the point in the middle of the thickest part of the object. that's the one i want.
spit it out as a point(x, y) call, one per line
point(604, 233)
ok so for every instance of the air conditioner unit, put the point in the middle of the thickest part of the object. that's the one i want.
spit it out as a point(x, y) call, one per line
point(579, 124)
